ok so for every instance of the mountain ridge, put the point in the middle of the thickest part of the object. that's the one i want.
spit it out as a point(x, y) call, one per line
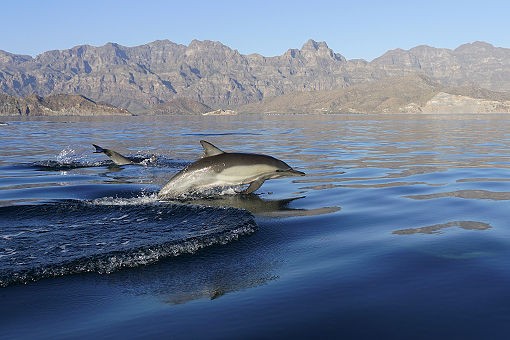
point(146, 78)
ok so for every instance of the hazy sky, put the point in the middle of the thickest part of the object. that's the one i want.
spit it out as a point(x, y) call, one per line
point(354, 28)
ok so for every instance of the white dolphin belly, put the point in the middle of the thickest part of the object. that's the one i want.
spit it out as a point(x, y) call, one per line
point(204, 179)
point(240, 174)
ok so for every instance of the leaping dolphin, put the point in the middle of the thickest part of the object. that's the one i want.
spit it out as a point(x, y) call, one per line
point(226, 169)
point(116, 157)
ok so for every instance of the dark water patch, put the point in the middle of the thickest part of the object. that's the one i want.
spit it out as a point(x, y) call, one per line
point(243, 132)
point(483, 179)
point(466, 194)
point(363, 186)
point(12, 169)
point(102, 236)
point(52, 165)
point(144, 160)
point(437, 228)
point(55, 193)
point(22, 178)
point(205, 134)
point(211, 274)
point(165, 162)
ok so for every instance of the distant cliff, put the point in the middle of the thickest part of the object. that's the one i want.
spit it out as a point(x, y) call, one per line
point(161, 76)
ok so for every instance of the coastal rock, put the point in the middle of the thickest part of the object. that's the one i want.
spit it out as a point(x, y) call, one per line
point(220, 112)
point(452, 103)
point(56, 105)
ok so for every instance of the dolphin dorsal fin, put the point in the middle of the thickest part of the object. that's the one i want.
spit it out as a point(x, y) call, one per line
point(210, 150)
point(98, 148)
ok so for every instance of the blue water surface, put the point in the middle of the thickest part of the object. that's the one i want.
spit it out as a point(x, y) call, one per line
point(398, 230)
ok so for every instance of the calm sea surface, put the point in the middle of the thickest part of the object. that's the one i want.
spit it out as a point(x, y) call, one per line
point(400, 229)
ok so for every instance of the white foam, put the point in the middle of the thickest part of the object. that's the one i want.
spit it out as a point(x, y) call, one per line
point(210, 192)
point(10, 236)
point(139, 200)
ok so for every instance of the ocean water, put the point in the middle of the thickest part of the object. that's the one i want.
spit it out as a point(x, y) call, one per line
point(399, 229)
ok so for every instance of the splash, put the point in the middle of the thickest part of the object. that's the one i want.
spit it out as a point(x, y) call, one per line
point(67, 155)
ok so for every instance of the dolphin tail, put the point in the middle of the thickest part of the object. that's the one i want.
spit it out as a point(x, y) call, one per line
point(116, 157)
point(98, 149)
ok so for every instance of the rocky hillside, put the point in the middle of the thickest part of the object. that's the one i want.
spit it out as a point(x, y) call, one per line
point(180, 106)
point(157, 77)
point(53, 105)
point(411, 93)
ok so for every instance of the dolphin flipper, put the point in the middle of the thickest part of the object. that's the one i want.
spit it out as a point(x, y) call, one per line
point(253, 186)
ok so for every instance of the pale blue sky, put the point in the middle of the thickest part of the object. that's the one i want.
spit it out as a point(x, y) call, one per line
point(356, 28)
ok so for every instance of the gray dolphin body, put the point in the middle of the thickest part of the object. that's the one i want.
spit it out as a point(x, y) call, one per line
point(116, 157)
point(223, 169)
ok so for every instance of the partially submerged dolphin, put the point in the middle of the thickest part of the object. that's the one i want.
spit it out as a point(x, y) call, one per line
point(226, 169)
point(116, 157)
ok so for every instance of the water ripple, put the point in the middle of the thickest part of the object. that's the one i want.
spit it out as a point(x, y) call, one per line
point(69, 237)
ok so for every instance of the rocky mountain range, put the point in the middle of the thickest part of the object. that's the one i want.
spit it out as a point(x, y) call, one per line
point(164, 77)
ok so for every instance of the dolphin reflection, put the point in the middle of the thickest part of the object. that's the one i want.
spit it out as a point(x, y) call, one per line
point(263, 207)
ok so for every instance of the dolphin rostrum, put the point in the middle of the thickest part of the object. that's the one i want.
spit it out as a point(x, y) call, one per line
point(226, 169)
point(116, 157)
